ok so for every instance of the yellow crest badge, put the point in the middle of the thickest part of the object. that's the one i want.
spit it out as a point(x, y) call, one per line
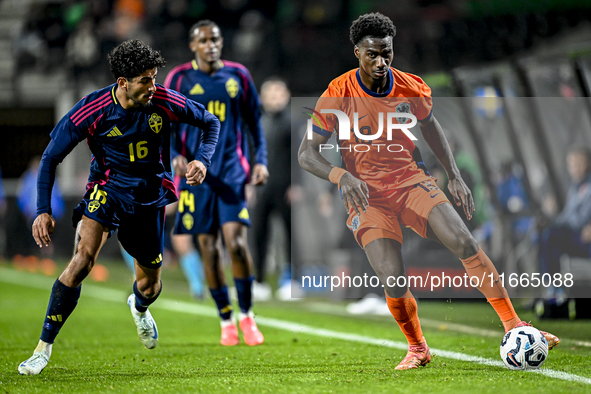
point(232, 87)
point(188, 221)
point(93, 206)
point(155, 123)
point(98, 197)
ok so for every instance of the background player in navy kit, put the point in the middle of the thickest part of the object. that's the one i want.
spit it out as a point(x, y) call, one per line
point(127, 127)
point(227, 90)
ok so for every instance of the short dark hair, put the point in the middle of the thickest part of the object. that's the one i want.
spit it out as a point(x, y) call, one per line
point(201, 23)
point(132, 57)
point(374, 24)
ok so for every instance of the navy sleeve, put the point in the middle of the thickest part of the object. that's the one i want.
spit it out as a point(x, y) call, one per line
point(175, 129)
point(251, 113)
point(210, 131)
point(64, 137)
point(190, 112)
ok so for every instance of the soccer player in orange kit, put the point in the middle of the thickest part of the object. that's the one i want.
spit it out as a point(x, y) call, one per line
point(385, 182)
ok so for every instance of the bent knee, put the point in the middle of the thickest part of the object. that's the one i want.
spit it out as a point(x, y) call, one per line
point(209, 250)
point(149, 287)
point(151, 291)
point(85, 258)
point(236, 246)
point(466, 246)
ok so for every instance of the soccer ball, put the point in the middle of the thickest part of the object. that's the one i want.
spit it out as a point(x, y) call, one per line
point(524, 348)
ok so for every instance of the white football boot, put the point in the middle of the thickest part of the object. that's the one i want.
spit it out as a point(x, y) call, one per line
point(146, 326)
point(38, 361)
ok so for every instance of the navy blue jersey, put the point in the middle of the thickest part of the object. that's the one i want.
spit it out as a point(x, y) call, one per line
point(128, 146)
point(229, 94)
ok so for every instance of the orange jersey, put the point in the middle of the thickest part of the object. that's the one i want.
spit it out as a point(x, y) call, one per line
point(390, 161)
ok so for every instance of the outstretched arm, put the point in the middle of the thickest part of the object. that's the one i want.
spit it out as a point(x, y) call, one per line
point(354, 191)
point(435, 138)
point(44, 224)
point(64, 137)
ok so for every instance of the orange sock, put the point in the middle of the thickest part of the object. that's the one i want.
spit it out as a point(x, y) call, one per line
point(494, 292)
point(404, 310)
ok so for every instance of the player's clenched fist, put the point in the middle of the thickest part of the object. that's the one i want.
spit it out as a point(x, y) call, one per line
point(196, 173)
point(43, 227)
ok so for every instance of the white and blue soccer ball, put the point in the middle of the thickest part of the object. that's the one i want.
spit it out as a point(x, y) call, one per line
point(524, 348)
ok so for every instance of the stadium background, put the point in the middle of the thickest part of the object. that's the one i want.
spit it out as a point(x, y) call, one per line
point(495, 51)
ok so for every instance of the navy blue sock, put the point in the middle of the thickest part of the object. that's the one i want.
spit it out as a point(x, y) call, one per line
point(142, 302)
point(222, 301)
point(244, 290)
point(62, 302)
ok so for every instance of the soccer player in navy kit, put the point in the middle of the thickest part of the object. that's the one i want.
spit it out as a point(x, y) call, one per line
point(227, 91)
point(127, 127)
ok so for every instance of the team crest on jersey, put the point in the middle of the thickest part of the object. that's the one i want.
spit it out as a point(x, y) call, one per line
point(97, 198)
point(232, 87)
point(155, 123)
point(93, 206)
point(354, 226)
point(188, 221)
point(403, 107)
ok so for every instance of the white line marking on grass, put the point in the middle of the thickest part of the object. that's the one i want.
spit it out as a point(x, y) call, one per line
point(106, 294)
point(443, 326)
point(299, 328)
point(440, 325)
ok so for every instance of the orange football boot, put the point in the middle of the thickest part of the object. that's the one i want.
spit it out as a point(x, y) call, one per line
point(417, 355)
point(550, 338)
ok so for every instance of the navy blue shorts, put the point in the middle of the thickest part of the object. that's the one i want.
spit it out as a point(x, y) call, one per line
point(204, 209)
point(140, 229)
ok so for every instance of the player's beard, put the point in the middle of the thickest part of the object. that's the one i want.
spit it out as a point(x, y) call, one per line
point(137, 102)
point(140, 104)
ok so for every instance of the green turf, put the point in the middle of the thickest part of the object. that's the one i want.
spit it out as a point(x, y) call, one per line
point(98, 349)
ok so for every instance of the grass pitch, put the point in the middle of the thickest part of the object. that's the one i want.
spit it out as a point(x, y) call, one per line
point(310, 346)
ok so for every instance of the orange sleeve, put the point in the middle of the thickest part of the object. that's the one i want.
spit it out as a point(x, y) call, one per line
point(424, 102)
point(419, 94)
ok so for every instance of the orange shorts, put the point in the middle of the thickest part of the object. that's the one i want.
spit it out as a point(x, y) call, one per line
point(409, 206)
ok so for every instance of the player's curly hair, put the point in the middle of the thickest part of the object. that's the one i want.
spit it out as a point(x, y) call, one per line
point(132, 57)
point(374, 24)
